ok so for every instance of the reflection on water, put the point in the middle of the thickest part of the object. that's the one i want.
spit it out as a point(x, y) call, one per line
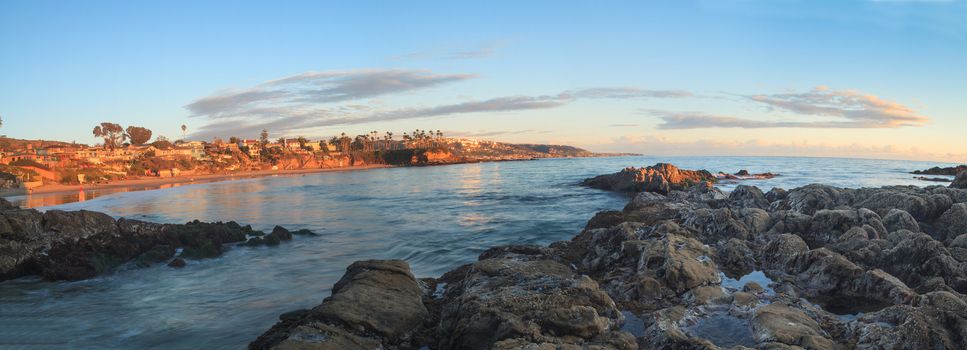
point(755, 276)
point(849, 308)
point(723, 330)
point(436, 218)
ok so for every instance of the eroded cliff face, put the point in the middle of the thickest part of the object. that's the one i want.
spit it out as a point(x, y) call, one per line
point(816, 267)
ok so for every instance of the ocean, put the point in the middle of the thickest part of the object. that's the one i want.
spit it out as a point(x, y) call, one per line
point(435, 218)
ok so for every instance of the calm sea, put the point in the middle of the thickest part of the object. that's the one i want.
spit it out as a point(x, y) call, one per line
point(436, 218)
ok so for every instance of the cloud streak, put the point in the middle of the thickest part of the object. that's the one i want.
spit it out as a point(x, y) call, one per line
point(277, 96)
point(839, 109)
point(319, 99)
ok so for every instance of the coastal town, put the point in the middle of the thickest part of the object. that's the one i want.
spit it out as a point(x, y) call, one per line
point(131, 153)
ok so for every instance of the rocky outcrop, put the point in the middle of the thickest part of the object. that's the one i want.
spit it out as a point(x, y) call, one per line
point(745, 175)
point(816, 267)
point(74, 245)
point(950, 171)
point(661, 178)
point(960, 181)
point(377, 304)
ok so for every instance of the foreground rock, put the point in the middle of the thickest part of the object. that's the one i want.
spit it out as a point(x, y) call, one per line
point(816, 267)
point(377, 304)
point(74, 245)
point(960, 181)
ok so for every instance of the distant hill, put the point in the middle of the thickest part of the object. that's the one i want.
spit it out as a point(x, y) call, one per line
point(492, 150)
point(8, 144)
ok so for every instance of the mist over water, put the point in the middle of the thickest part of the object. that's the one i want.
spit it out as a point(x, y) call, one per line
point(435, 218)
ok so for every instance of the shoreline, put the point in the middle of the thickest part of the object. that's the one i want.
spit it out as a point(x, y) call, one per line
point(186, 179)
point(209, 178)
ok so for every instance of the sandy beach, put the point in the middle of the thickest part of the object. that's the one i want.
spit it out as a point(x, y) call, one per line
point(187, 179)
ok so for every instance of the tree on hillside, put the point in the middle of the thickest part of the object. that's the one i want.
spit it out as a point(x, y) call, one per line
point(138, 135)
point(113, 134)
point(233, 139)
point(184, 128)
point(303, 143)
point(264, 138)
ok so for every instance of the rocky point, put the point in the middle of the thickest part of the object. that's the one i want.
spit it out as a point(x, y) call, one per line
point(682, 266)
point(75, 245)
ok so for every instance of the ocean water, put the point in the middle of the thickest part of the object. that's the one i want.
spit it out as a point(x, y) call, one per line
point(435, 218)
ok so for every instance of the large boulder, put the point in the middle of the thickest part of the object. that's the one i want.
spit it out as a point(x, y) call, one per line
point(661, 178)
point(749, 197)
point(778, 323)
point(960, 181)
point(522, 299)
point(952, 223)
point(377, 303)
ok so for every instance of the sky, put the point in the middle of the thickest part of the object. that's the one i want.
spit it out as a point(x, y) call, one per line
point(845, 78)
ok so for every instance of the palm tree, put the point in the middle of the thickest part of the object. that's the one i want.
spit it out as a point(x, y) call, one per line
point(183, 129)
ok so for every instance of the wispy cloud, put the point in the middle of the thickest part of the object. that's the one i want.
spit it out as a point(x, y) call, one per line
point(627, 93)
point(279, 96)
point(318, 99)
point(295, 120)
point(860, 109)
point(663, 146)
point(840, 109)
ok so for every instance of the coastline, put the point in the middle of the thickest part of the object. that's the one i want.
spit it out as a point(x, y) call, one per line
point(207, 178)
point(186, 179)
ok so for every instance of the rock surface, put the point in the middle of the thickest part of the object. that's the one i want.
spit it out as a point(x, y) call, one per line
point(951, 171)
point(661, 178)
point(960, 181)
point(376, 304)
point(75, 245)
point(816, 267)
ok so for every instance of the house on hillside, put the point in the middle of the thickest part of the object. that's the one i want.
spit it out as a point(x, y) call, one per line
point(196, 148)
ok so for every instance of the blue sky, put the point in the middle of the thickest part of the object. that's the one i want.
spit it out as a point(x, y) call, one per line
point(883, 79)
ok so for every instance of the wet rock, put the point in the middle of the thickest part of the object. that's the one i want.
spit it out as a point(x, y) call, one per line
point(748, 197)
point(74, 245)
point(303, 232)
point(661, 178)
point(177, 263)
point(922, 206)
point(155, 255)
point(376, 304)
point(735, 257)
point(776, 194)
point(205, 250)
point(254, 242)
point(517, 300)
point(706, 295)
point(897, 219)
point(811, 198)
point(271, 240)
point(960, 181)
point(716, 224)
point(282, 233)
point(952, 223)
point(951, 171)
point(782, 324)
